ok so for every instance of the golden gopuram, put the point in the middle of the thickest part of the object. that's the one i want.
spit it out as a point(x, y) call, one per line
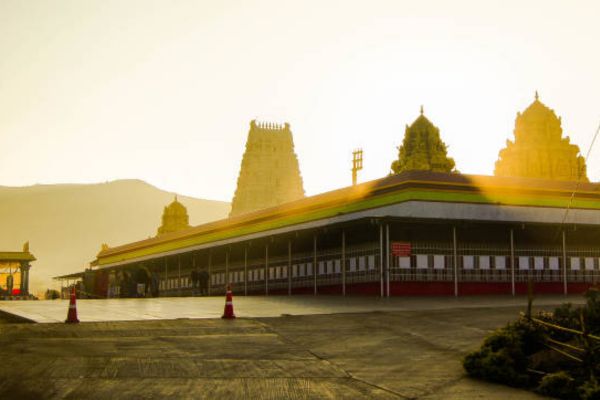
point(269, 174)
point(175, 218)
point(422, 149)
point(539, 149)
point(14, 273)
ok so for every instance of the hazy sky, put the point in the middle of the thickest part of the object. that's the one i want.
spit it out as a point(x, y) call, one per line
point(164, 91)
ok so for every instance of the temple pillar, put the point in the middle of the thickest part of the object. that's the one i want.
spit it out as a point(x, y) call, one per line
point(24, 288)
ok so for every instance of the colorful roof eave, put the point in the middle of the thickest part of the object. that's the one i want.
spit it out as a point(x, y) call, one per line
point(506, 196)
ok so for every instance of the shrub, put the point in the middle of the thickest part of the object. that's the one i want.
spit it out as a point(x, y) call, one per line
point(503, 356)
point(590, 390)
point(592, 310)
point(559, 384)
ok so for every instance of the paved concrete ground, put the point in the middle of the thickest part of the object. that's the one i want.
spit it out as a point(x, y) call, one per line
point(251, 306)
point(410, 354)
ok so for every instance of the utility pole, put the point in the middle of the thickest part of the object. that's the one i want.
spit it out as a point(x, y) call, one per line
point(357, 164)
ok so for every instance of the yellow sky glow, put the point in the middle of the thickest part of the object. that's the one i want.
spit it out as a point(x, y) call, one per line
point(164, 90)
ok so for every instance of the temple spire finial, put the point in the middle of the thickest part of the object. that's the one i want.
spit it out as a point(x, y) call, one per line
point(537, 96)
point(421, 109)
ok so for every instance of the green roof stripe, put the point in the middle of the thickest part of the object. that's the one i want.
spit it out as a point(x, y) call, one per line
point(355, 206)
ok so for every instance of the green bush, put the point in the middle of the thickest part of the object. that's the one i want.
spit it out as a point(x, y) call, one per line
point(496, 367)
point(559, 384)
point(507, 353)
point(590, 390)
point(592, 310)
point(504, 355)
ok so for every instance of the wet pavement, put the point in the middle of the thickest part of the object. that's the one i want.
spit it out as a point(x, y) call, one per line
point(47, 311)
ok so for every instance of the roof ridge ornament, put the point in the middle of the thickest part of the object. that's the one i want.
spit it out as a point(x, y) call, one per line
point(421, 109)
point(537, 96)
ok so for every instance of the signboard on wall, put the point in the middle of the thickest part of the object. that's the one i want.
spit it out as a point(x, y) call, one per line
point(401, 249)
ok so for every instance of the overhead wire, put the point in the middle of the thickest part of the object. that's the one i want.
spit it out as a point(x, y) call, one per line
point(579, 178)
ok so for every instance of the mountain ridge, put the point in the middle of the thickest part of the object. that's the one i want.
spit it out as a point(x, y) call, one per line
point(66, 223)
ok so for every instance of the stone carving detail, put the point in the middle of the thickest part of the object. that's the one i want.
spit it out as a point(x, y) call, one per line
point(269, 174)
point(174, 218)
point(422, 149)
point(539, 149)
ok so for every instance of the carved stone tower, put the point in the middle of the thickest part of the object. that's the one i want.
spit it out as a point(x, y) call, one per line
point(174, 218)
point(269, 174)
point(539, 150)
point(422, 149)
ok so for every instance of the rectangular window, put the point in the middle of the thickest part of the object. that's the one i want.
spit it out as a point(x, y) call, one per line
point(338, 266)
point(468, 262)
point(422, 261)
point(553, 263)
point(353, 264)
point(294, 270)
point(589, 264)
point(302, 270)
point(500, 262)
point(538, 263)
point(439, 261)
point(371, 263)
point(404, 262)
point(309, 269)
point(523, 263)
point(575, 263)
point(321, 267)
point(361, 263)
point(261, 274)
point(484, 262)
point(329, 267)
point(284, 272)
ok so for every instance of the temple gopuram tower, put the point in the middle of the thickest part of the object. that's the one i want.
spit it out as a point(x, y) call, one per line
point(539, 149)
point(269, 174)
point(175, 218)
point(422, 149)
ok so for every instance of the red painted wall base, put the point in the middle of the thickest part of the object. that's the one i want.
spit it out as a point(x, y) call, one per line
point(436, 289)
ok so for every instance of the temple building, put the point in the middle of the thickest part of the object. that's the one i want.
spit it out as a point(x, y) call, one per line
point(539, 149)
point(175, 218)
point(14, 272)
point(424, 230)
point(422, 149)
point(269, 174)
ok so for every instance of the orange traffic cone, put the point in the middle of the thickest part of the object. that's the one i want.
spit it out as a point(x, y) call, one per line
point(228, 313)
point(72, 314)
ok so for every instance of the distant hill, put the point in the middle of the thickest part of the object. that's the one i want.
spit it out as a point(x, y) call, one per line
point(66, 224)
